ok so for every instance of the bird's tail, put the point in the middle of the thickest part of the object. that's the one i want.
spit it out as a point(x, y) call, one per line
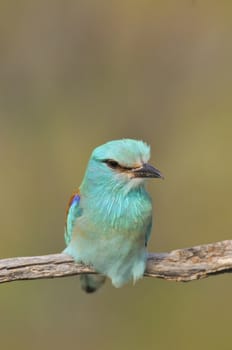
point(91, 283)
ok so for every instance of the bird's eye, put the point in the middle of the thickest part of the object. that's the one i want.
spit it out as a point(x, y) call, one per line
point(112, 163)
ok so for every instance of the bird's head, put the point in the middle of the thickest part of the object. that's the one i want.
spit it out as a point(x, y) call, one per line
point(122, 162)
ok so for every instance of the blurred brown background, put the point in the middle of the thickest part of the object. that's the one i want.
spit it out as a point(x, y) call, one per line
point(74, 74)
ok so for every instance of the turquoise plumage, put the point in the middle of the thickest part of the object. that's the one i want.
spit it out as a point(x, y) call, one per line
point(109, 219)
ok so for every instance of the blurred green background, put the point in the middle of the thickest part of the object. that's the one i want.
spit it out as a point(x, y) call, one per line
point(74, 74)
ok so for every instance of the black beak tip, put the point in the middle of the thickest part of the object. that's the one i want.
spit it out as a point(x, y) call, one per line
point(153, 172)
point(148, 171)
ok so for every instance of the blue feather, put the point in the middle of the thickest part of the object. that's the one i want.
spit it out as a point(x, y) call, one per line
point(73, 211)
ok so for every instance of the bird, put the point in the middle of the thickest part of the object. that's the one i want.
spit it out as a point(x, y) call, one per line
point(109, 218)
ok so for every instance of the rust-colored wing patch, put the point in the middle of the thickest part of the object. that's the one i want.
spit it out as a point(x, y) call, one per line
point(73, 211)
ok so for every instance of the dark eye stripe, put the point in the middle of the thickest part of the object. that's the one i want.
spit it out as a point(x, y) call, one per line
point(112, 163)
point(115, 165)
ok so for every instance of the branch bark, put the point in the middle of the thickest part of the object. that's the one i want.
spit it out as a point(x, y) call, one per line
point(181, 265)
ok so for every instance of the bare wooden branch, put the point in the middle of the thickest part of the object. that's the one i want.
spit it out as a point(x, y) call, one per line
point(181, 265)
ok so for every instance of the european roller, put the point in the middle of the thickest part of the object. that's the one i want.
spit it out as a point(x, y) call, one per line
point(109, 219)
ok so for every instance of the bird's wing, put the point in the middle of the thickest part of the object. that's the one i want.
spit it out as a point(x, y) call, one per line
point(148, 231)
point(73, 211)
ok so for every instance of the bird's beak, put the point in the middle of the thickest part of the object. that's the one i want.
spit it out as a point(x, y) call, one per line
point(147, 171)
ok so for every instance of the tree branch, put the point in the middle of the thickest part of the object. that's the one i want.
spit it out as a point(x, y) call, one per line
point(181, 265)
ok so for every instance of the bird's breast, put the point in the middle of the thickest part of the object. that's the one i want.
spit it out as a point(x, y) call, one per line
point(118, 213)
